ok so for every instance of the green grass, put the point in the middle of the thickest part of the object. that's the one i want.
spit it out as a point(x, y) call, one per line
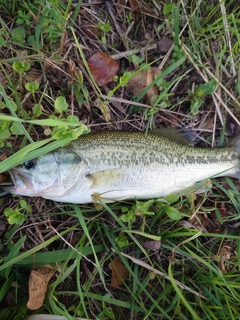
point(183, 262)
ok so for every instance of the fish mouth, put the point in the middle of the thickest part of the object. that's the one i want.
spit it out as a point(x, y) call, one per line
point(13, 181)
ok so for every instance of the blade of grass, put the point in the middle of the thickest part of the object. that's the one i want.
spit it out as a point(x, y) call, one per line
point(13, 254)
point(85, 230)
point(32, 151)
point(42, 122)
point(42, 258)
point(180, 295)
point(32, 251)
point(7, 101)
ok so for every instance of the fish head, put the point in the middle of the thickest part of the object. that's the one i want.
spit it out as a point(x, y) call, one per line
point(50, 175)
point(34, 177)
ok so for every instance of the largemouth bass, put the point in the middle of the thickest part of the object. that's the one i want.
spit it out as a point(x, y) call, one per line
point(121, 165)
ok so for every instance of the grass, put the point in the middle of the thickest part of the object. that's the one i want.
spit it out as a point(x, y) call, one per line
point(181, 255)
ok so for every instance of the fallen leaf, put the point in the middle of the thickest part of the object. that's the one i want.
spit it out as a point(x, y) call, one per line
point(91, 30)
point(103, 68)
point(89, 26)
point(189, 225)
point(32, 75)
point(120, 4)
point(141, 80)
point(119, 272)
point(152, 245)
point(223, 257)
point(137, 6)
point(3, 156)
point(74, 72)
point(210, 222)
point(37, 286)
point(164, 45)
point(104, 109)
point(201, 220)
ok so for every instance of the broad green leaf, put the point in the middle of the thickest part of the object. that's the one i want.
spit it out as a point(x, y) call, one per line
point(206, 88)
point(195, 104)
point(13, 105)
point(37, 110)
point(18, 34)
point(121, 241)
point(21, 66)
point(32, 86)
point(4, 134)
point(2, 42)
point(167, 9)
point(173, 213)
point(60, 104)
point(16, 129)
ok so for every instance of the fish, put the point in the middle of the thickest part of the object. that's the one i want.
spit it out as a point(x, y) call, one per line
point(113, 166)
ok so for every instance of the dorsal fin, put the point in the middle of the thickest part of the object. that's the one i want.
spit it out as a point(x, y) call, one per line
point(183, 136)
point(234, 142)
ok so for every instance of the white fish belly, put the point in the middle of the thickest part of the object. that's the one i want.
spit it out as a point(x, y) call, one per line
point(148, 182)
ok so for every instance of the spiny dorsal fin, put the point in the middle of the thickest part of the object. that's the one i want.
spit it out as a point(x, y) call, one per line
point(234, 142)
point(183, 136)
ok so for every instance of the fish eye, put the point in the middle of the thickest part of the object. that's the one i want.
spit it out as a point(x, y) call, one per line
point(30, 164)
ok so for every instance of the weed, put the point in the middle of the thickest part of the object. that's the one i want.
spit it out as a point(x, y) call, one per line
point(24, 18)
point(196, 98)
point(18, 214)
point(105, 27)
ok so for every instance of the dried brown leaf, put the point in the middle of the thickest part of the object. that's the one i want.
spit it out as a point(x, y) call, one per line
point(103, 68)
point(201, 220)
point(37, 286)
point(164, 45)
point(91, 31)
point(141, 80)
point(120, 4)
point(151, 245)
point(32, 75)
point(137, 6)
point(74, 72)
point(224, 256)
point(104, 109)
point(119, 272)
point(3, 157)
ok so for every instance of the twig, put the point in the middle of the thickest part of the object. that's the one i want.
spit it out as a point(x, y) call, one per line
point(227, 34)
point(127, 53)
point(147, 266)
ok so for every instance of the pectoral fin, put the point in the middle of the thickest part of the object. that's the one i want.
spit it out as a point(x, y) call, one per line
point(106, 178)
point(107, 185)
